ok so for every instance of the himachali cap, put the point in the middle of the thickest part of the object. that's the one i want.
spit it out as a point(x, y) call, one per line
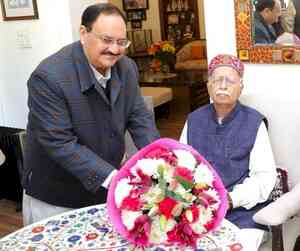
point(226, 60)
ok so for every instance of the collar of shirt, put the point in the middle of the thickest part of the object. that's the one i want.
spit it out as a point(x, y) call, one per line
point(102, 80)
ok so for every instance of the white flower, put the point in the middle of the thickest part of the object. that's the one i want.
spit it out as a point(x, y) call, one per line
point(153, 195)
point(213, 193)
point(185, 159)
point(203, 175)
point(148, 166)
point(157, 234)
point(205, 216)
point(122, 191)
point(129, 217)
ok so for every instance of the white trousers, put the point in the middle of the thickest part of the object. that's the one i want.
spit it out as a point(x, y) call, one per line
point(35, 210)
point(251, 238)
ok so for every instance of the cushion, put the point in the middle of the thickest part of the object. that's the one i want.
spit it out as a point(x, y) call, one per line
point(197, 51)
point(280, 210)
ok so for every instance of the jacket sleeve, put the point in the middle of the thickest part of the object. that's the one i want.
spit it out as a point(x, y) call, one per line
point(141, 124)
point(51, 125)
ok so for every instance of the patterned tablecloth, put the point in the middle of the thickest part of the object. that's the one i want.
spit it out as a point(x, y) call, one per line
point(89, 229)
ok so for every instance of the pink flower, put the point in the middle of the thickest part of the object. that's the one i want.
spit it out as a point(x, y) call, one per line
point(141, 230)
point(163, 153)
point(166, 206)
point(184, 173)
point(183, 234)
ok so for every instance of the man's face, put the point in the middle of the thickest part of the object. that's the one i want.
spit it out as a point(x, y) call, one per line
point(224, 86)
point(101, 52)
point(274, 14)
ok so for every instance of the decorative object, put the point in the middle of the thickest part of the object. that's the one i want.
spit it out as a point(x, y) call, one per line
point(19, 9)
point(135, 15)
point(136, 24)
point(179, 14)
point(140, 40)
point(163, 53)
point(135, 4)
point(167, 193)
point(173, 19)
point(285, 52)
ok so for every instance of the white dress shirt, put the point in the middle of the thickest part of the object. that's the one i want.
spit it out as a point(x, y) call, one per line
point(262, 172)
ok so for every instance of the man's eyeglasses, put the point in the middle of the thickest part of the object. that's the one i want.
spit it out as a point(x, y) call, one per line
point(227, 80)
point(107, 40)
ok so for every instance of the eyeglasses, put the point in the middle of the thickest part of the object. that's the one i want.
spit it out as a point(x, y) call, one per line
point(227, 80)
point(107, 40)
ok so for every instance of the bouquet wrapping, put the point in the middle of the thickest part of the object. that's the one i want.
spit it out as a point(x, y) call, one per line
point(167, 193)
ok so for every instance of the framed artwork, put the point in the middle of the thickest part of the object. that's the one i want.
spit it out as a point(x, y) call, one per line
point(136, 24)
point(135, 4)
point(250, 47)
point(173, 19)
point(136, 15)
point(19, 9)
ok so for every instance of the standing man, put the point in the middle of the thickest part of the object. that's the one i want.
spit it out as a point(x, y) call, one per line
point(234, 139)
point(267, 13)
point(81, 101)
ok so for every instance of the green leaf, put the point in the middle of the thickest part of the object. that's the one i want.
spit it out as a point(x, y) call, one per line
point(175, 196)
point(187, 185)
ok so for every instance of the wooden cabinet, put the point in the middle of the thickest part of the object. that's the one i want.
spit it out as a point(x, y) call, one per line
point(179, 21)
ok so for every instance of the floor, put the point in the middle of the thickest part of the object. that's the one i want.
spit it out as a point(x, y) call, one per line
point(171, 127)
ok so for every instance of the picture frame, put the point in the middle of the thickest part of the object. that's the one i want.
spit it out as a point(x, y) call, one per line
point(136, 24)
point(248, 50)
point(19, 10)
point(173, 19)
point(136, 15)
point(139, 41)
point(135, 4)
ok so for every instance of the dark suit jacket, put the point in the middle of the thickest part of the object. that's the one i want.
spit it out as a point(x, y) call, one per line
point(75, 136)
point(263, 33)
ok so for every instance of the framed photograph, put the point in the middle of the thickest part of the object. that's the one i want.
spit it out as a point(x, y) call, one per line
point(173, 19)
point(136, 15)
point(136, 24)
point(135, 4)
point(141, 41)
point(19, 9)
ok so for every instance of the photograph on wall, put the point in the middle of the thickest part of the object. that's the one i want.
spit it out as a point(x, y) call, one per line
point(173, 19)
point(136, 24)
point(139, 41)
point(136, 15)
point(135, 4)
point(19, 9)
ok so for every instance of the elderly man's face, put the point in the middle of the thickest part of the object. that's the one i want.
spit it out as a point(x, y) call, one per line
point(102, 44)
point(224, 86)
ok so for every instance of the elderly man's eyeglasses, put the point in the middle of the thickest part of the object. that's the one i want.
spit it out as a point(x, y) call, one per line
point(107, 40)
point(227, 80)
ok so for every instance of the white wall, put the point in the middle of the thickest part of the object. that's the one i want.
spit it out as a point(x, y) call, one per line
point(51, 31)
point(277, 85)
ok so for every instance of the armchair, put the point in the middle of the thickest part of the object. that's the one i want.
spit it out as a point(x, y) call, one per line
point(192, 56)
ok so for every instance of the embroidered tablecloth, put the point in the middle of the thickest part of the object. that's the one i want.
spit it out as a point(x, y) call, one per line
point(90, 229)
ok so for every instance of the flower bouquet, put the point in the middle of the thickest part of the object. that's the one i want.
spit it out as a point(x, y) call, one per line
point(163, 54)
point(168, 194)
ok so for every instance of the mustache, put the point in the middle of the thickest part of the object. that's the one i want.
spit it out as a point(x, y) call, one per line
point(111, 54)
point(222, 92)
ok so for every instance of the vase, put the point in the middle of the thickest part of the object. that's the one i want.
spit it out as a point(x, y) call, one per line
point(165, 68)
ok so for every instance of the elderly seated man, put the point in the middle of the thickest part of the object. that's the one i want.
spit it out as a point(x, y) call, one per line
point(234, 139)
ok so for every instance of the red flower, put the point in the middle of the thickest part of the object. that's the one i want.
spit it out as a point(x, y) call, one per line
point(131, 203)
point(191, 214)
point(166, 206)
point(184, 173)
point(145, 180)
point(163, 153)
point(183, 234)
point(141, 230)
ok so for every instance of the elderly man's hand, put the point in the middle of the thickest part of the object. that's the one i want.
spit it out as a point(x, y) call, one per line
point(229, 200)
